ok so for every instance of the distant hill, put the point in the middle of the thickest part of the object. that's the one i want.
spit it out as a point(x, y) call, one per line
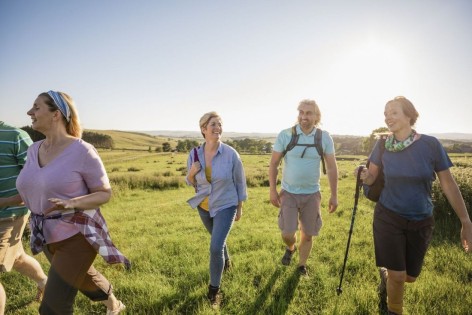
point(453, 136)
point(345, 144)
point(196, 134)
point(130, 140)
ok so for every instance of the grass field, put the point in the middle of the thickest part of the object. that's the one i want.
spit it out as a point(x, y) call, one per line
point(168, 246)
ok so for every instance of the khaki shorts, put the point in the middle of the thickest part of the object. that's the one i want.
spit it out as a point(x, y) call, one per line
point(11, 247)
point(303, 210)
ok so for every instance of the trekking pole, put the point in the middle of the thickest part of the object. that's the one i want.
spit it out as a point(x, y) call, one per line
point(339, 289)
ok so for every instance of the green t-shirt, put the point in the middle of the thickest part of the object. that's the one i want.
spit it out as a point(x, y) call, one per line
point(14, 144)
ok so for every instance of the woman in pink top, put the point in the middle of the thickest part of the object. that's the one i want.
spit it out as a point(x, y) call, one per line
point(64, 183)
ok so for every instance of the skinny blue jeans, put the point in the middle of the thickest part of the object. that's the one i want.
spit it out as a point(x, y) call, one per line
point(218, 227)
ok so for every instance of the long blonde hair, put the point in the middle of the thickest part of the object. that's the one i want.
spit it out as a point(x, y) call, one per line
point(73, 127)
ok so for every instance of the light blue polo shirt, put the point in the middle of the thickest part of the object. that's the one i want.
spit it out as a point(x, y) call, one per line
point(302, 175)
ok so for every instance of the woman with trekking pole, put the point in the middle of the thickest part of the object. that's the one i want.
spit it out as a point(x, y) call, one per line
point(403, 216)
point(216, 171)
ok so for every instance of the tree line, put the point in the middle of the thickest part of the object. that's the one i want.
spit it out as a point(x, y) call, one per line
point(343, 144)
point(253, 146)
point(98, 140)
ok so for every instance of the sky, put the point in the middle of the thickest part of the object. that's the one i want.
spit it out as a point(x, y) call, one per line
point(160, 65)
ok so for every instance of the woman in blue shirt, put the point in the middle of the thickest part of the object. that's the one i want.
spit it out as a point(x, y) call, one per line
point(403, 216)
point(216, 171)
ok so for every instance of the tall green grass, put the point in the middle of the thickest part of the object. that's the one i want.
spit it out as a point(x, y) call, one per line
point(168, 247)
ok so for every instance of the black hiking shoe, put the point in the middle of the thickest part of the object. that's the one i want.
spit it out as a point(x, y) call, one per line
point(302, 271)
point(287, 258)
point(214, 295)
point(382, 289)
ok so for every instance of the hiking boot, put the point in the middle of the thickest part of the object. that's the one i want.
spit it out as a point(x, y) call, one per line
point(228, 265)
point(287, 258)
point(382, 288)
point(214, 295)
point(302, 270)
point(116, 310)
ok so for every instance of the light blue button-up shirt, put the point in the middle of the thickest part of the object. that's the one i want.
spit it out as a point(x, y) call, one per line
point(228, 181)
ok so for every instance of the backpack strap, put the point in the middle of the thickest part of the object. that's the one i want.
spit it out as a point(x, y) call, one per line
point(293, 141)
point(381, 143)
point(317, 143)
point(373, 191)
point(319, 147)
point(195, 155)
point(382, 148)
point(195, 159)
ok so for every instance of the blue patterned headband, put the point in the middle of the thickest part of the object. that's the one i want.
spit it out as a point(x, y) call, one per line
point(61, 104)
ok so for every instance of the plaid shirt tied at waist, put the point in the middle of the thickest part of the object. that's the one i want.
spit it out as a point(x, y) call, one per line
point(90, 223)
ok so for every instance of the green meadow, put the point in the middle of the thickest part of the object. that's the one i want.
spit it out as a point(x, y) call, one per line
point(153, 226)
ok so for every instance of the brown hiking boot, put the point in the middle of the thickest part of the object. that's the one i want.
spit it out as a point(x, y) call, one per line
point(214, 295)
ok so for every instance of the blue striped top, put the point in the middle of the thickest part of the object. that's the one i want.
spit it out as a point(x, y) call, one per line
point(14, 144)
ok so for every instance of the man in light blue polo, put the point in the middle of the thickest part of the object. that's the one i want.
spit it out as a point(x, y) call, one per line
point(300, 198)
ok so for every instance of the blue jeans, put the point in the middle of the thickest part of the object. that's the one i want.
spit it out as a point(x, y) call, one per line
point(219, 227)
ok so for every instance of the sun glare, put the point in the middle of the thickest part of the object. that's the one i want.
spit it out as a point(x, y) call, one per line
point(362, 77)
point(370, 66)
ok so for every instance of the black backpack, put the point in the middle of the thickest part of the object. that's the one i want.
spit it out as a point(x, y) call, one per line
point(317, 143)
point(372, 192)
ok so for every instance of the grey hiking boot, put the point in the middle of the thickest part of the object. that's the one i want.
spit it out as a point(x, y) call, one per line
point(287, 258)
point(302, 271)
point(121, 307)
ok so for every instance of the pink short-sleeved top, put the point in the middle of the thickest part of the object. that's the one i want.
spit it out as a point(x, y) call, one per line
point(69, 175)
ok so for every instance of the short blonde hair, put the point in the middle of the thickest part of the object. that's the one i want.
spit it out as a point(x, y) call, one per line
point(206, 119)
point(73, 127)
point(407, 107)
point(316, 110)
